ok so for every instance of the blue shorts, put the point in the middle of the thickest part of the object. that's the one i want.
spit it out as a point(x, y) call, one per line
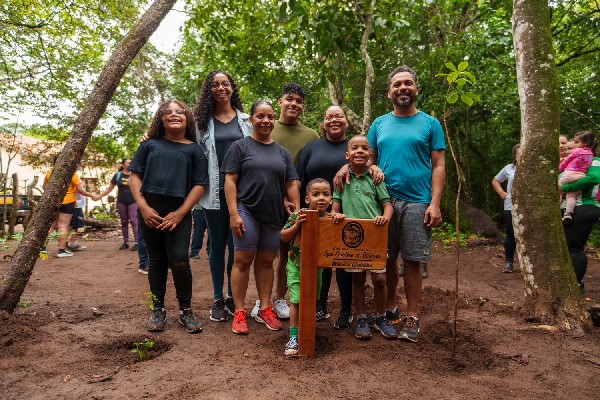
point(407, 234)
point(258, 236)
point(77, 219)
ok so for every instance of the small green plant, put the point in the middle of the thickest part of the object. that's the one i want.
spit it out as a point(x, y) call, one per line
point(141, 348)
point(457, 79)
point(25, 303)
point(150, 300)
point(446, 233)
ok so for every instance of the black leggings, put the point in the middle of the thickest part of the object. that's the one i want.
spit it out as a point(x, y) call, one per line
point(577, 234)
point(169, 249)
point(510, 244)
point(344, 283)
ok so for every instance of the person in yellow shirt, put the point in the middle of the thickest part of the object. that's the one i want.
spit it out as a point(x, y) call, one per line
point(65, 212)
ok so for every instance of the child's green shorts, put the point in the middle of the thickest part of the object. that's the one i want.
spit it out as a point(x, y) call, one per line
point(293, 281)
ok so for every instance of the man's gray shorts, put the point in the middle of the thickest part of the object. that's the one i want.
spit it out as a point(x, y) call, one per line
point(407, 234)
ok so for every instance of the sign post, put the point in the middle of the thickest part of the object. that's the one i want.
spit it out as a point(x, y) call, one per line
point(350, 244)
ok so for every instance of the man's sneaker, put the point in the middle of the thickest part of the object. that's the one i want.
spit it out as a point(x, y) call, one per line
point(64, 253)
point(134, 247)
point(424, 273)
point(567, 218)
point(75, 247)
point(189, 321)
point(281, 309)
point(255, 310)
point(508, 267)
point(143, 270)
point(217, 312)
point(157, 320)
point(410, 328)
point(124, 246)
point(230, 306)
point(268, 317)
point(393, 315)
point(322, 313)
point(362, 330)
point(291, 348)
point(383, 325)
point(240, 326)
point(344, 320)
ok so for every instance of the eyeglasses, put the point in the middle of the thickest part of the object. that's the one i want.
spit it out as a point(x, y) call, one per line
point(166, 113)
point(225, 84)
point(332, 117)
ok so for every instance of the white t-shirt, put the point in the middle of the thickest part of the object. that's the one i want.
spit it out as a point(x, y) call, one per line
point(507, 174)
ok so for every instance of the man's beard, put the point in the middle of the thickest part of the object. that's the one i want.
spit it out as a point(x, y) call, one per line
point(404, 103)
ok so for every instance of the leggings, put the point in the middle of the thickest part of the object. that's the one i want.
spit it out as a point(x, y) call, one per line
point(220, 237)
point(128, 213)
point(510, 244)
point(169, 249)
point(577, 234)
point(344, 283)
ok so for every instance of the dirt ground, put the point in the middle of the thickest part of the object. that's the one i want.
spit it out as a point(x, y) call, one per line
point(72, 336)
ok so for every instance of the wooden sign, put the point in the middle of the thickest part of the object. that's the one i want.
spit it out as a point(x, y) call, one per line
point(351, 244)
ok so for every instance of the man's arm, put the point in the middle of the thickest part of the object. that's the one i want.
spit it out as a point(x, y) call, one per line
point(433, 215)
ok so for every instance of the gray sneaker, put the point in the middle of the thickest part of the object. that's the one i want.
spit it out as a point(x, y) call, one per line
point(218, 312)
point(157, 320)
point(508, 267)
point(189, 321)
point(383, 325)
point(362, 330)
point(410, 328)
point(230, 306)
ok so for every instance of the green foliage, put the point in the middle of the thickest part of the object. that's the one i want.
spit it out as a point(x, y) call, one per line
point(457, 79)
point(141, 348)
point(150, 300)
point(446, 234)
point(25, 303)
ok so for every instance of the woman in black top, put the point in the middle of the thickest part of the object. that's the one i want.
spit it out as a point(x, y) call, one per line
point(322, 159)
point(259, 173)
point(168, 176)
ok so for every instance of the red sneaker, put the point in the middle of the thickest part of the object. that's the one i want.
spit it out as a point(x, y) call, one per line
point(269, 318)
point(239, 323)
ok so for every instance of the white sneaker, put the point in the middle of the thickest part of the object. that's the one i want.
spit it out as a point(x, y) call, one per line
point(255, 310)
point(281, 309)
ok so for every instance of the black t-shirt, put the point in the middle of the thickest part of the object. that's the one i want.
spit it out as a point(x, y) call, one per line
point(170, 168)
point(320, 159)
point(263, 170)
point(124, 195)
point(225, 135)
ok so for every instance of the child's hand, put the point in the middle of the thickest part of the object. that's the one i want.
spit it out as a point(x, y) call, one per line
point(338, 217)
point(381, 220)
point(301, 218)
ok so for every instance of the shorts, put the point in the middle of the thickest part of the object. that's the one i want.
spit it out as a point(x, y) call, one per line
point(77, 219)
point(293, 280)
point(68, 208)
point(258, 236)
point(408, 236)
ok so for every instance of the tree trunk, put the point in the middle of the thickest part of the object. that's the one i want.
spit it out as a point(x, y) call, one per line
point(25, 256)
point(552, 295)
point(369, 71)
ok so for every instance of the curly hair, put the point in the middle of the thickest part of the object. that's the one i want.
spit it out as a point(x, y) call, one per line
point(205, 104)
point(293, 88)
point(403, 68)
point(157, 127)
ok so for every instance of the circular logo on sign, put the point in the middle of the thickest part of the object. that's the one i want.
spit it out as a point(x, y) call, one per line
point(353, 234)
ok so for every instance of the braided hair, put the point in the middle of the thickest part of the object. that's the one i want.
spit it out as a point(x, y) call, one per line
point(205, 104)
point(157, 127)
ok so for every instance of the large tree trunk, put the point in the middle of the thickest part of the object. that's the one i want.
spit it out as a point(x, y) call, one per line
point(24, 259)
point(552, 295)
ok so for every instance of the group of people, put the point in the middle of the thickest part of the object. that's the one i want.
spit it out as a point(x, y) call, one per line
point(579, 181)
point(253, 175)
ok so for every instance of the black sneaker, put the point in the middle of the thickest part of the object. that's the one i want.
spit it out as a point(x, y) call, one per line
point(124, 246)
point(322, 313)
point(189, 321)
point(508, 267)
point(217, 312)
point(157, 320)
point(230, 306)
point(134, 247)
point(344, 320)
point(393, 315)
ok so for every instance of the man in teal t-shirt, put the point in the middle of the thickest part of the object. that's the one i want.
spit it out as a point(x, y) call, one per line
point(409, 146)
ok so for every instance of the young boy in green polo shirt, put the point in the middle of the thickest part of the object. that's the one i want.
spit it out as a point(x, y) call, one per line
point(318, 197)
point(365, 200)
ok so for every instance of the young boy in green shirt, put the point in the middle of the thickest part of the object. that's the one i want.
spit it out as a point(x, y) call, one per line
point(363, 199)
point(318, 197)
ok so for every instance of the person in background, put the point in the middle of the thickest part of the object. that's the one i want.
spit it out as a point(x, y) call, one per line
point(198, 233)
point(562, 146)
point(507, 174)
point(77, 221)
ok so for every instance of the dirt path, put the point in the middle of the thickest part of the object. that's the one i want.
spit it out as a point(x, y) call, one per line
point(57, 347)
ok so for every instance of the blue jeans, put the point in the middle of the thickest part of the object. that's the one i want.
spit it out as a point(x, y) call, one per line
point(142, 249)
point(220, 237)
point(198, 233)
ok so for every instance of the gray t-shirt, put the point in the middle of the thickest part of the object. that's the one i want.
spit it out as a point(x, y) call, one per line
point(263, 170)
point(170, 168)
point(225, 135)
